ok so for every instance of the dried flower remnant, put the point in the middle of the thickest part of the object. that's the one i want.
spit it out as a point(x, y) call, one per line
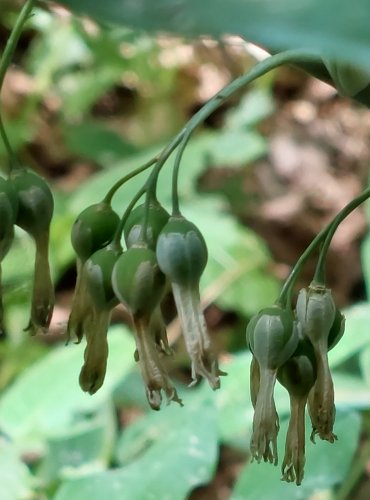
point(182, 256)
point(298, 376)
point(101, 300)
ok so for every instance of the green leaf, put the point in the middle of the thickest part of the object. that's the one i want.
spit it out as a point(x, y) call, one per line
point(332, 26)
point(237, 275)
point(46, 399)
point(326, 465)
point(87, 445)
point(183, 457)
point(237, 147)
point(356, 336)
point(351, 391)
point(96, 142)
point(15, 478)
point(365, 364)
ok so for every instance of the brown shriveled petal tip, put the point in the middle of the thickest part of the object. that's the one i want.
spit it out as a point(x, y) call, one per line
point(265, 422)
point(93, 371)
point(153, 372)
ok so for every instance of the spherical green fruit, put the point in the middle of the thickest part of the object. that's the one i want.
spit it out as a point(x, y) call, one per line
point(182, 252)
point(157, 219)
point(137, 280)
point(93, 229)
point(98, 274)
point(35, 202)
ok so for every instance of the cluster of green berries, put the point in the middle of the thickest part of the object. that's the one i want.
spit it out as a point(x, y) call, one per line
point(26, 201)
point(292, 347)
point(161, 252)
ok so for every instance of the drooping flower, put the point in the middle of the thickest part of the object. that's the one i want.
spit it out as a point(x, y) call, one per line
point(273, 337)
point(182, 256)
point(139, 284)
point(316, 313)
point(298, 376)
point(35, 211)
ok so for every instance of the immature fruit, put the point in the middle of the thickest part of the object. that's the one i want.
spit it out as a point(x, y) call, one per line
point(7, 218)
point(157, 219)
point(35, 211)
point(35, 202)
point(137, 280)
point(182, 252)
point(273, 337)
point(98, 274)
point(93, 229)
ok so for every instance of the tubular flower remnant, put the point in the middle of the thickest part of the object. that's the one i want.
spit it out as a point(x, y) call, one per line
point(298, 376)
point(98, 271)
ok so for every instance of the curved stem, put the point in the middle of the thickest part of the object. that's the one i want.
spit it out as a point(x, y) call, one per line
point(4, 64)
point(116, 242)
point(320, 268)
point(325, 235)
point(108, 197)
point(257, 71)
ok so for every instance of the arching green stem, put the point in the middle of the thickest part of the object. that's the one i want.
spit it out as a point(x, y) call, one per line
point(116, 242)
point(325, 236)
point(257, 71)
point(4, 64)
point(108, 197)
point(320, 268)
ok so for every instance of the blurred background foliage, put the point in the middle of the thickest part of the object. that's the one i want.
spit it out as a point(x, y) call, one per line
point(85, 103)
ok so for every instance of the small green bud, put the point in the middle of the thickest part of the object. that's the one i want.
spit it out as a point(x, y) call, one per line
point(93, 229)
point(348, 79)
point(157, 219)
point(137, 280)
point(182, 252)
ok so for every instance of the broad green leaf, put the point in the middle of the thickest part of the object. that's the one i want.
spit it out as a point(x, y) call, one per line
point(183, 457)
point(333, 26)
point(326, 465)
point(356, 336)
point(365, 364)
point(351, 391)
point(87, 445)
point(96, 142)
point(15, 478)
point(365, 257)
point(46, 398)
point(237, 275)
point(237, 147)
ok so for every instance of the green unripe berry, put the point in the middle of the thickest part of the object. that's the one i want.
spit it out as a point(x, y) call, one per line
point(137, 280)
point(98, 274)
point(273, 337)
point(93, 229)
point(35, 202)
point(182, 252)
point(157, 219)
